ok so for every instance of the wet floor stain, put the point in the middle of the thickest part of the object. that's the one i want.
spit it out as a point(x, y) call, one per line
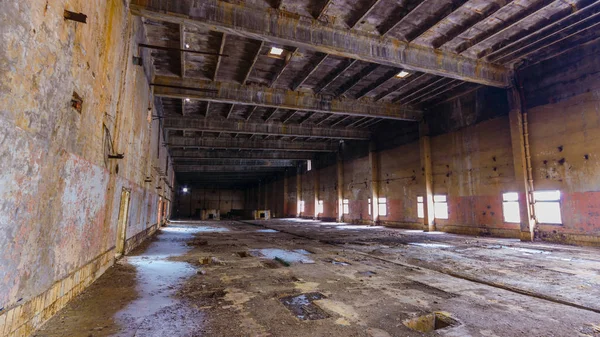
point(282, 254)
point(267, 231)
point(430, 245)
point(156, 312)
point(303, 308)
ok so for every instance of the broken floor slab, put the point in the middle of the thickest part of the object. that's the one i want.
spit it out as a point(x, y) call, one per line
point(375, 295)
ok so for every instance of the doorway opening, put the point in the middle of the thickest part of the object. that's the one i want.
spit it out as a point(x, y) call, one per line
point(122, 222)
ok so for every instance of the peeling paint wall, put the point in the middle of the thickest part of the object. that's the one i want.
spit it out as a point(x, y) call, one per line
point(473, 167)
point(563, 101)
point(59, 191)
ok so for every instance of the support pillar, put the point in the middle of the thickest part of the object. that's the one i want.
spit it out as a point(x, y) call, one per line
point(258, 196)
point(274, 203)
point(316, 191)
point(266, 196)
point(374, 182)
point(285, 194)
point(298, 190)
point(519, 136)
point(340, 188)
point(428, 207)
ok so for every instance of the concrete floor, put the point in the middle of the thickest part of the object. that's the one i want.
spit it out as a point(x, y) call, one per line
point(213, 278)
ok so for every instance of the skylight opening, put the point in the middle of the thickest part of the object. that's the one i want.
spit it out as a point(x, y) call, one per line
point(276, 51)
point(403, 74)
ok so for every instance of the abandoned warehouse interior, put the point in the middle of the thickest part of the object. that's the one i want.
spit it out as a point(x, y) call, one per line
point(299, 168)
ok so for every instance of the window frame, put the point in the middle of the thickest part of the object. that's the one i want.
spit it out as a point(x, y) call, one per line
point(511, 199)
point(320, 207)
point(442, 204)
point(381, 203)
point(301, 206)
point(546, 199)
point(345, 206)
point(420, 207)
point(369, 207)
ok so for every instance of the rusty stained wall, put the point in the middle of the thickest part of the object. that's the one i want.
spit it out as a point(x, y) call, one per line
point(401, 181)
point(473, 167)
point(563, 100)
point(207, 198)
point(357, 188)
point(58, 199)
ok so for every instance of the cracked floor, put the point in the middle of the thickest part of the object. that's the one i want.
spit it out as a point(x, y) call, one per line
point(308, 278)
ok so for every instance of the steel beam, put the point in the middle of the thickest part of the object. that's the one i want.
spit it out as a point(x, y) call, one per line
point(278, 27)
point(276, 129)
point(239, 143)
point(218, 168)
point(232, 93)
point(237, 162)
point(179, 154)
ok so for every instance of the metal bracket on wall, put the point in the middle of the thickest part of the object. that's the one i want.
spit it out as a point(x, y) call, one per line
point(77, 17)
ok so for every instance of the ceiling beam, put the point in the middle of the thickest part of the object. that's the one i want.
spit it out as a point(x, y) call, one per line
point(237, 161)
point(255, 144)
point(379, 82)
point(274, 129)
point(354, 80)
point(220, 168)
point(179, 154)
point(232, 93)
point(278, 27)
point(219, 58)
point(308, 71)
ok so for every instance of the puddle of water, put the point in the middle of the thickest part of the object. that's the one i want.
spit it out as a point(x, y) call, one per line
point(267, 231)
point(430, 245)
point(337, 262)
point(157, 280)
point(303, 308)
point(527, 250)
point(302, 251)
point(358, 227)
point(367, 273)
point(285, 255)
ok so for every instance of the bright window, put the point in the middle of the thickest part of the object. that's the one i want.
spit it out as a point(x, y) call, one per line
point(510, 207)
point(547, 207)
point(369, 206)
point(382, 203)
point(346, 204)
point(320, 207)
point(420, 208)
point(309, 165)
point(301, 206)
point(440, 203)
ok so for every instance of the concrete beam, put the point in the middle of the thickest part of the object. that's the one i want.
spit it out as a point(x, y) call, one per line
point(286, 29)
point(179, 154)
point(239, 143)
point(274, 129)
point(219, 168)
point(241, 162)
point(232, 93)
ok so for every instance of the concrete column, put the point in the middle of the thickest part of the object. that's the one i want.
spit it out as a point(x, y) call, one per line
point(258, 196)
point(266, 196)
point(274, 204)
point(316, 191)
point(373, 162)
point(425, 147)
point(522, 163)
point(340, 188)
point(298, 190)
point(285, 194)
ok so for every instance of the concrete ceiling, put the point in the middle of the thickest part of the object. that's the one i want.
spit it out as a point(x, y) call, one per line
point(222, 94)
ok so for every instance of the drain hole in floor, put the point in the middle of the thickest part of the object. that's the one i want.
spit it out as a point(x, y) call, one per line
point(303, 308)
point(243, 254)
point(430, 322)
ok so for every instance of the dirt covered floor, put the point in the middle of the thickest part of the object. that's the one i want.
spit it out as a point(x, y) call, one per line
point(308, 278)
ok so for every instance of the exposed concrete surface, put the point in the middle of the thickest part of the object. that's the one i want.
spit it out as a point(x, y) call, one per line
point(368, 292)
